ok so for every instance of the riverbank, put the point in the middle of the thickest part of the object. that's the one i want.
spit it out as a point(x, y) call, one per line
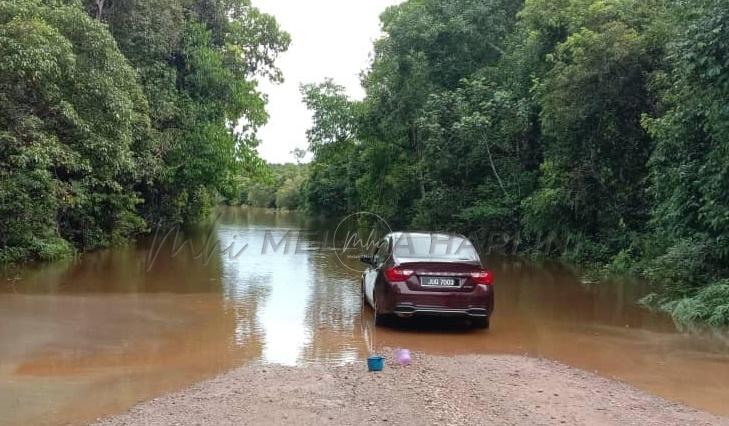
point(492, 389)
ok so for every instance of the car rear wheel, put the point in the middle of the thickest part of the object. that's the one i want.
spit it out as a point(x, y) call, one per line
point(482, 323)
point(380, 319)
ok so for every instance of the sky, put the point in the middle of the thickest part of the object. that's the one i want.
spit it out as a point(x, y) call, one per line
point(329, 38)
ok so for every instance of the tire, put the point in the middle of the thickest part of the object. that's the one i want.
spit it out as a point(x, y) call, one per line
point(380, 319)
point(482, 323)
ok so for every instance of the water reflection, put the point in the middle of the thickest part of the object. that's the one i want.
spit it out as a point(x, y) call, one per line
point(88, 337)
point(283, 282)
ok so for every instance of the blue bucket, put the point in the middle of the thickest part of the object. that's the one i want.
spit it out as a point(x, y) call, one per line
point(375, 363)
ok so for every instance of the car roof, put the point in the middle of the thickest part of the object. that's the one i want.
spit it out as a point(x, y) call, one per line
point(431, 234)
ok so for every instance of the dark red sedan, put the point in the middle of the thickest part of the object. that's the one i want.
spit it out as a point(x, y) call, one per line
point(422, 273)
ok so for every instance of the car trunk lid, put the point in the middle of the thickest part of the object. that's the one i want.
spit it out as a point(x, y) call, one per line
point(440, 276)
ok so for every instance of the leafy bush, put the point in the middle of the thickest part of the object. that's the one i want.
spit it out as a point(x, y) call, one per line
point(281, 187)
point(288, 195)
point(710, 305)
point(261, 195)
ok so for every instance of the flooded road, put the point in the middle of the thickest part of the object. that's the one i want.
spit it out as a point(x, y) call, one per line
point(86, 338)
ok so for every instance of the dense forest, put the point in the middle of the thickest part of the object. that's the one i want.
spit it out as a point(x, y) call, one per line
point(591, 131)
point(117, 116)
point(594, 131)
point(278, 186)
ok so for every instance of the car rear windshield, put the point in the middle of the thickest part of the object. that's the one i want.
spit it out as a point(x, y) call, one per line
point(434, 247)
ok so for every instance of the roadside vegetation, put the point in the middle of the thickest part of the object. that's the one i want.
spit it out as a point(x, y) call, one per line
point(279, 186)
point(594, 131)
point(119, 116)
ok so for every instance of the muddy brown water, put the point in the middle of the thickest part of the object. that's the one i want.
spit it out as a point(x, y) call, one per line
point(93, 336)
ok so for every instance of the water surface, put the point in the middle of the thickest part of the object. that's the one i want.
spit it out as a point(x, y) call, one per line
point(93, 336)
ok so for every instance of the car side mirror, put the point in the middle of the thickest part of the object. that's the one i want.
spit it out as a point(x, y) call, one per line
point(366, 259)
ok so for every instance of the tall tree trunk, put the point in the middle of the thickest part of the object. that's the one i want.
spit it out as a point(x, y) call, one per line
point(99, 9)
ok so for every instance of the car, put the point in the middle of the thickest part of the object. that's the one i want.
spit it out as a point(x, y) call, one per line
point(427, 273)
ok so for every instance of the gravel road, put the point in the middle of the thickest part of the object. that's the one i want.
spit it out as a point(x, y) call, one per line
point(432, 390)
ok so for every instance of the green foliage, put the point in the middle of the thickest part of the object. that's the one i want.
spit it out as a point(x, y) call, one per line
point(288, 196)
point(710, 305)
point(109, 127)
point(261, 195)
point(680, 267)
point(333, 120)
point(73, 118)
point(590, 130)
point(199, 62)
point(592, 98)
point(689, 167)
point(330, 189)
point(479, 136)
point(281, 187)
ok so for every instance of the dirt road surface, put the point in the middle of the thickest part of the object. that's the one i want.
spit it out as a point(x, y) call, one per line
point(462, 390)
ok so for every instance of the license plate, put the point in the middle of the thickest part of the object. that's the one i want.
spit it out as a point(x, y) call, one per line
point(439, 281)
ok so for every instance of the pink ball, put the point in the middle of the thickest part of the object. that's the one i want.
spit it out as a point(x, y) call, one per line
point(403, 357)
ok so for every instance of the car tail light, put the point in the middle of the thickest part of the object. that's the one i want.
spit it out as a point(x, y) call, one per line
point(482, 277)
point(396, 274)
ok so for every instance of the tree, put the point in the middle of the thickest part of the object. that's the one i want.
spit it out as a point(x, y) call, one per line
point(329, 191)
point(73, 125)
point(429, 47)
point(592, 98)
point(199, 63)
point(86, 160)
point(689, 168)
